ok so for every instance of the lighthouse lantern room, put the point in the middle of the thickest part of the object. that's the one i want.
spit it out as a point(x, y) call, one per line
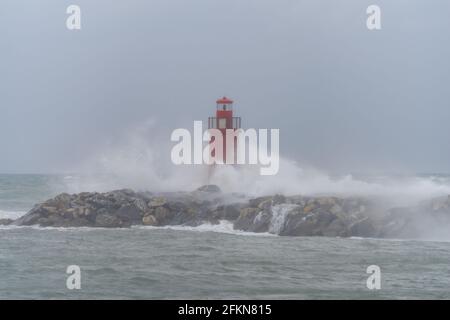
point(224, 116)
point(224, 120)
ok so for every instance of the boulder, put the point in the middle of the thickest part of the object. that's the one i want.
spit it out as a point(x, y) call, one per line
point(106, 220)
point(141, 205)
point(257, 201)
point(130, 213)
point(307, 224)
point(227, 211)
point(31, 218)
point(163, 215)
point(209, 188)
point(53, 221)
point(157, 202)
point(231, 211)
point(98, 201)
point(149, 220)
point(5, 222)
point(79, 222)
point(265, 205)
point(337, 228)
point(51, 210)
point(120, 196)
point(336, 209)
point(246, 217)
point(261, 222)
point(363, 228)
point(298, 200)
point(308, 208)
point(188, 216)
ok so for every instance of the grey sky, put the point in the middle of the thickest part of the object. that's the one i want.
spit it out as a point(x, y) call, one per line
point(345, 99)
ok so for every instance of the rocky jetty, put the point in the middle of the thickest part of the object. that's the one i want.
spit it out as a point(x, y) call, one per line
point(5, 222)
point(277, 214)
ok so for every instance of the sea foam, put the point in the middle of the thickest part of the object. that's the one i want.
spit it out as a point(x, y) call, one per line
point(11, 214)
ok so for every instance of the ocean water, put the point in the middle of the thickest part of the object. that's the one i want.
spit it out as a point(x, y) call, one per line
point(205, 262)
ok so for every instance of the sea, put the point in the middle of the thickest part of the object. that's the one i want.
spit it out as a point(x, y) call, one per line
point(204, 262)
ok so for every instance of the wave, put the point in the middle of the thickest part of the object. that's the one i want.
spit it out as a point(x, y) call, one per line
point(280, 213)
point(223, 226)
point(139, 160)
point(11, 214)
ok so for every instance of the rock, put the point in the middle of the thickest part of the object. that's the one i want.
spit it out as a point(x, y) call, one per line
point(87, 212)
point(79, 222)
point(246, 218)
point(286, 216)
point(120, 196)
point(231, 211)
point(363, 228)
point(337, 228)
point(50, 210)
point(307, 224)
point(163, 215)
point(267, 201)
point(279, 199)
point(107, 220)
point(98, 201)
point(130, 213)
point(257, 201)
point(177, 205)
point(210, 188)
point(326, 202)
point(224, 212)
point(53, 221)
point(188, 216)
point(265, 205)
point(298, 200)
point(5, 222)
point(63, 198)
point(261, 222)
point(149, 220)
point(31, 218)
point(157, 202)
point(141, 205)
point(336, 209)
point(265, 218)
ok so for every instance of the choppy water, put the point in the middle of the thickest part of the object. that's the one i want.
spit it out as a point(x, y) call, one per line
point(205, 262)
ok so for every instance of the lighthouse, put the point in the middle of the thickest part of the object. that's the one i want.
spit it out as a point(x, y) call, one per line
point(223, 121)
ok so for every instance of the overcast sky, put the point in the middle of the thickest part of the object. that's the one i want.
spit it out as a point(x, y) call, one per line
point(345, 99)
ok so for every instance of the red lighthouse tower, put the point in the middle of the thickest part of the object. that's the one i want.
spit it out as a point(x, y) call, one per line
point(224, 120)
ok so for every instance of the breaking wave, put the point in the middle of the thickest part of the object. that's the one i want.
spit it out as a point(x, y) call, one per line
point(279, 213)
point(11, 214)
point(224, 226)
point(140, 160)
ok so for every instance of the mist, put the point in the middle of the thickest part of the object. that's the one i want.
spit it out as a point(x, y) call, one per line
point(138, 162)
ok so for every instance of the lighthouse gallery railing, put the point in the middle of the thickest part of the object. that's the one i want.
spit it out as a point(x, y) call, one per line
point(213, 123)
